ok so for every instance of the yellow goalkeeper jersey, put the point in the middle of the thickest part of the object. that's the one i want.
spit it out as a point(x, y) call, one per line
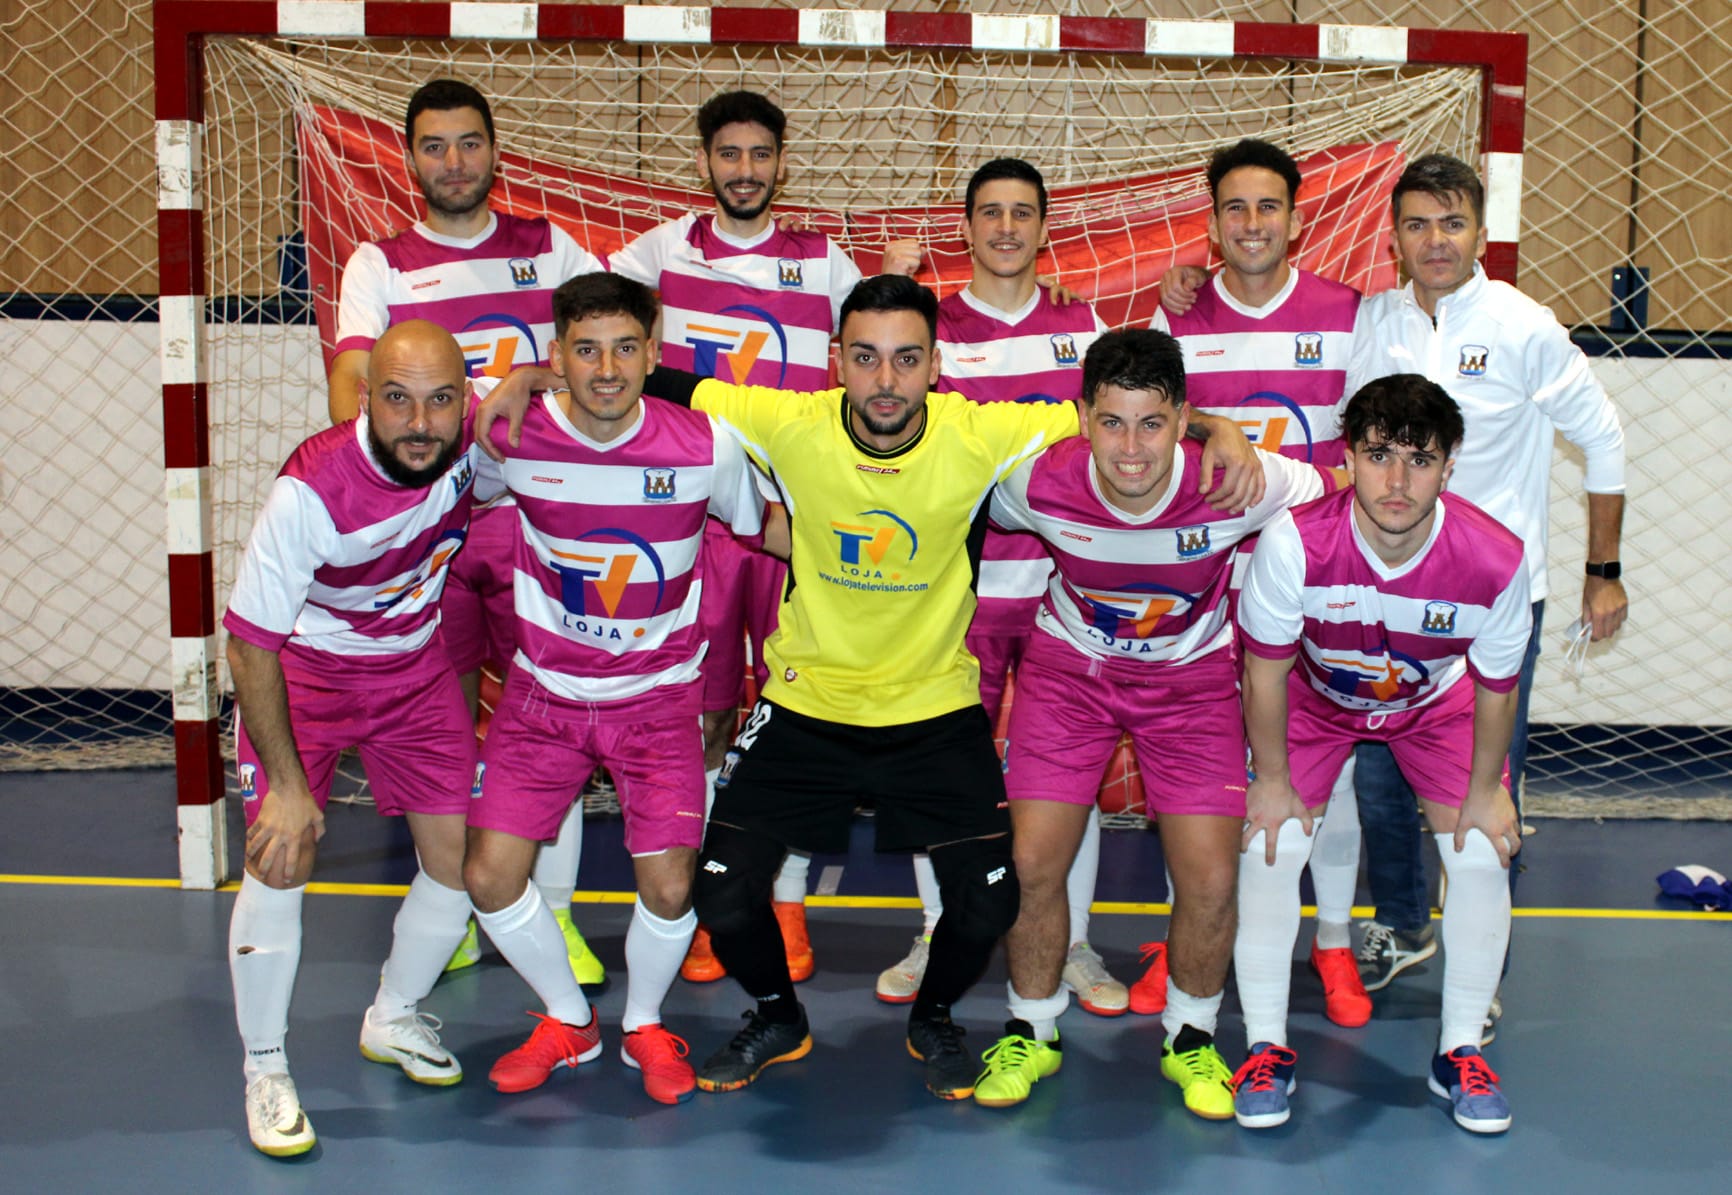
point(882, 590)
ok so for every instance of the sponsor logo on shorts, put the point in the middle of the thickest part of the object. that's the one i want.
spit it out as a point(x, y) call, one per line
point(729, 762)
point(995, 875)
point(1308, 350)
point(523, 271)
point(1439, 618)
point(716, 867)
point(1064, 349)
point(790, 273)
point(1473, 359)
point(658, 485)
point(1192, 541)
point(475, 785)
point(249, 782)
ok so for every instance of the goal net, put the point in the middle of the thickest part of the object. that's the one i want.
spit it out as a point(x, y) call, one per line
point(299, 157)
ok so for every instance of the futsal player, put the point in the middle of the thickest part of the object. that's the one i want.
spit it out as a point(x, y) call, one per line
point(1406, 611)
point(1133, 636)
point(613, 492)
point(1268, 344)
point(746, 300)
point(487, 278)
point(1004, 338)
point(333, 628)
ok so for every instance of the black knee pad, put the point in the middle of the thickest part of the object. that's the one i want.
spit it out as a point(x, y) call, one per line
point(977, 880)
point(736, 871)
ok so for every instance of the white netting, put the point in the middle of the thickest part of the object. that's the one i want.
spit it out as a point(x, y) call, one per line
point(896, 131)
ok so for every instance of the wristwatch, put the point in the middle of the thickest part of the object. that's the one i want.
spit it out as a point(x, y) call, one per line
point(1609, 570)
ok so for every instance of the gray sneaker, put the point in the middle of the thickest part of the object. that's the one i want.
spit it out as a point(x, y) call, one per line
point(1385, 953)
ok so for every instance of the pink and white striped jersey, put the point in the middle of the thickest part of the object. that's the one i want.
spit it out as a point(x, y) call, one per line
point(344, 567)
point(609, 572)
point(757, 312)
point(1371, 638)
point(1138, 590)
point(493, 291)
point(1278, 370)
point(1031, 355)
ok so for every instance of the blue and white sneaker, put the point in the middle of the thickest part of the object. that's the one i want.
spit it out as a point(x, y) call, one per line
point(1262, 1085)
point(1464, 1079)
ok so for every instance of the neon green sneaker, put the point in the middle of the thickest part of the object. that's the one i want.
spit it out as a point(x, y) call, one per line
point(468, 951)
point(585, 967)
point(1192, 1061)
point(1015, 1065)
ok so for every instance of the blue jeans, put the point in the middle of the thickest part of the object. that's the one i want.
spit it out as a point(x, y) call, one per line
point(1390, 819)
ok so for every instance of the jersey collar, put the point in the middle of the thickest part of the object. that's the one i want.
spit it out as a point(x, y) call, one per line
point(1267, 309)
point(900, 450)
point(461, 242)
point(1004, 317)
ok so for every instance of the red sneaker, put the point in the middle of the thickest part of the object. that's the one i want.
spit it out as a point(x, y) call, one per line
point(661, 1056)
point(553, 1044)
point(1149, 994)
point(1344, 998)
point(701, 965)
point(791, 916)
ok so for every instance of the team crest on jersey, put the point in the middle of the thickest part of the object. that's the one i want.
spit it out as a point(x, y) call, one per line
point(790, 273)
point(1439, 618)
point(658, 485)
point(249, 782)
point(461, 474)
point(523, 271)
point(1308, 350)
point(1473, 358)
point(475, 785)
point(1064, 349)
point(1193, 541)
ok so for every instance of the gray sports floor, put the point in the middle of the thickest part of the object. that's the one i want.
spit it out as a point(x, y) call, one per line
point(123, 1069)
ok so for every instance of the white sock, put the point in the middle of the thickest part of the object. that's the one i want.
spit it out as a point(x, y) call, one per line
point(529, 938)
point(429, 925)
point(790, 886)
point(1079, 882)
point(654, 949)
point(926, 883)
point(264, 954)
point(1042, 1014)
point(1475, 936)
point(710, 778)
point(556, 862)
point(1335, 863)
point(1199, 1012)
point(1268, 924)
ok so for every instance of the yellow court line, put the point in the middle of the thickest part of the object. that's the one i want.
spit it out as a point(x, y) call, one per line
point(1156, 908)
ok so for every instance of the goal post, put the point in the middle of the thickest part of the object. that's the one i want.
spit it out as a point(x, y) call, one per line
point(611, 88)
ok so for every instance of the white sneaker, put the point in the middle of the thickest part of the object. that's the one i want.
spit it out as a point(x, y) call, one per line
point(1096, 990)
point(411, 1042)
point(275, 1121)
point(901, 983)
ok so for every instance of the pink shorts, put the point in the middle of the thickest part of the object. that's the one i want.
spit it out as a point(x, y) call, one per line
point(1432, 745)
point(416, 741)
point(999, 651)
point(742, 595)
point(1183, 720)
point(478, 620)
point(540, 748)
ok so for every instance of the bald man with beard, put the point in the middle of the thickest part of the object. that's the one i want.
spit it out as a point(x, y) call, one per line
point(333, 644)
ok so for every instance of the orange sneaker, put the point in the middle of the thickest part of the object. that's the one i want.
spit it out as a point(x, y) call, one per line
point(553, 1044)
point(1344, 998)
point(791, 916)
point(1149, 994)
point(661, 1056)
point(701, 965)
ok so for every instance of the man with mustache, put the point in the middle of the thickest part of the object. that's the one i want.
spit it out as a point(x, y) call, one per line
point(487, 278)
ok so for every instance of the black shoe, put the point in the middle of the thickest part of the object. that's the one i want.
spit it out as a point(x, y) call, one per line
point(761, 1043)
point(1385, 952)
point(951, 1071)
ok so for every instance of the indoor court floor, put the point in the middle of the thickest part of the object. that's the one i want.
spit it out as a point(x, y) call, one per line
point(123, 1066)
